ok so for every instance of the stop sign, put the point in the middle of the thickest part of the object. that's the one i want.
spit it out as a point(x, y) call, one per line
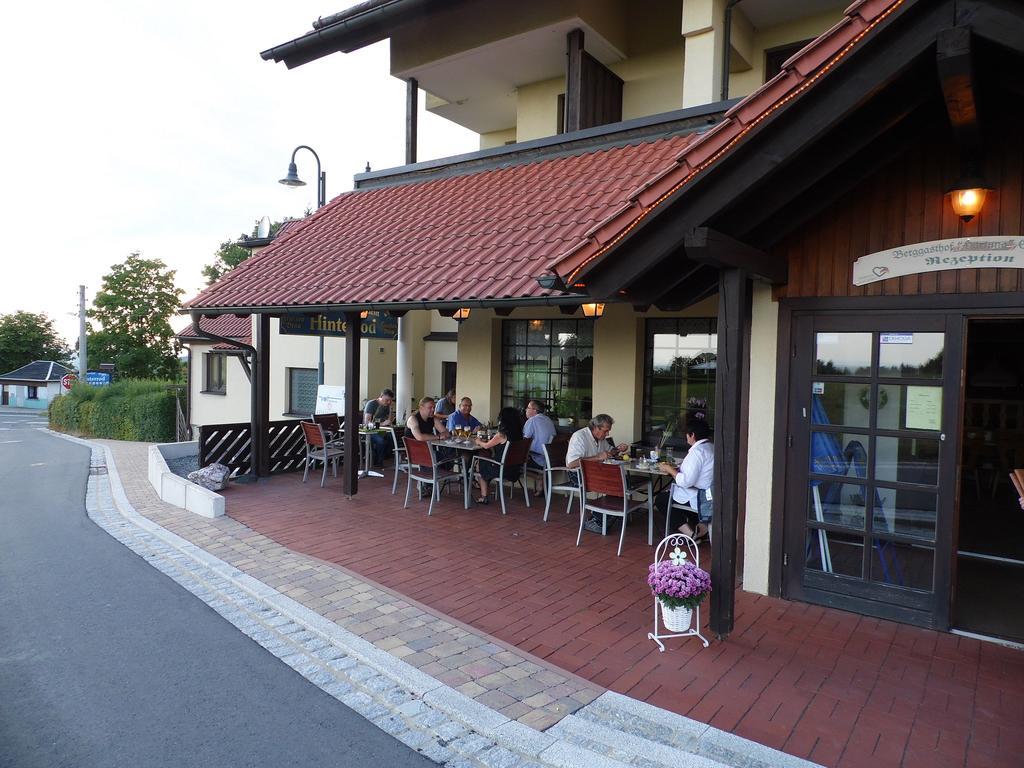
point(67, 380)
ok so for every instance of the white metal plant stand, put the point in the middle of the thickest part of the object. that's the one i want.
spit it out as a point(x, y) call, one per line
point(678, 556)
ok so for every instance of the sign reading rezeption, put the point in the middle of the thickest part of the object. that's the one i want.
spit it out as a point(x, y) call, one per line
point(959, 253)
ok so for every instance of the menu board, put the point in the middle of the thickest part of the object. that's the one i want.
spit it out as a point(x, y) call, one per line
point(924, 408)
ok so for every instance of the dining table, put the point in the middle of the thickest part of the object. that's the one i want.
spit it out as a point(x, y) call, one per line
point(367, 433)
point(655, 476)
point(466, 447)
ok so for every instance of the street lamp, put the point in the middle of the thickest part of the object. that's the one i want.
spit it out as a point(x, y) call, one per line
point(293, 180)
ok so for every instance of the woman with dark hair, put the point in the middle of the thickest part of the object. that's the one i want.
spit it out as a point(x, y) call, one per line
point(691, 481)
point(510, 427)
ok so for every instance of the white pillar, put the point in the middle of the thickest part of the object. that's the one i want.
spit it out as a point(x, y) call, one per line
point(703, 22)
point(403, 371)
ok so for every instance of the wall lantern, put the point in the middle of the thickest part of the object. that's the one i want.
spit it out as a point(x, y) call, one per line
point(364, 314)
point(967, 198)
point(593, 310)
point(461, 314)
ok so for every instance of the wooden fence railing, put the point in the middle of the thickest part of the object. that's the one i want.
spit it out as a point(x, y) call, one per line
point(231, 445)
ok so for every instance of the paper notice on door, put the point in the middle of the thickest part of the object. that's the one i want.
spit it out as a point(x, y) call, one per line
point(924, 408)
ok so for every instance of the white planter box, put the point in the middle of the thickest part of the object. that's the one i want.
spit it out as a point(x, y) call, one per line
point(177, 490)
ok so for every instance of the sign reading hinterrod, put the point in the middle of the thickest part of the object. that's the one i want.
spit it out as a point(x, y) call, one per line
point(959, 253)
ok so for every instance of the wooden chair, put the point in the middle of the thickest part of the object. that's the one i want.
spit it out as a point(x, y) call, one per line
point(424, 467)
point(318, 449)
point(515, 454)
point(608, 480)
point(401, 457)
point(568, 480)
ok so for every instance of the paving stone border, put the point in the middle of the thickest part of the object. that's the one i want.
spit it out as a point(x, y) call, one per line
point(424, 713)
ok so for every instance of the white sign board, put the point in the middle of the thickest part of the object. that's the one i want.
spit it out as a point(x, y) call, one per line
point(896, 338)
point(924, 408)
point(1003, 252)
point(330, 399)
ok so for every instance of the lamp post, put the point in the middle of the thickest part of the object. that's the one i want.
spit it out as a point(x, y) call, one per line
point(292, 180)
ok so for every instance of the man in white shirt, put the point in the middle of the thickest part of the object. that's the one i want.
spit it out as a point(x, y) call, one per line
point(691, 482)
point(540, 429)
point(592, 442)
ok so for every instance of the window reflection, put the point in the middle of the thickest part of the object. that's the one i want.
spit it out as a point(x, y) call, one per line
point(842, 354)
point(906, 355)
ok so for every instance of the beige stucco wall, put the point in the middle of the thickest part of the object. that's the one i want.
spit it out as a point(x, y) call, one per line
point(497, 138)
point(652, 82)
point(537, 109)
point(229, 408)
point(761, 429)
point(479, 363)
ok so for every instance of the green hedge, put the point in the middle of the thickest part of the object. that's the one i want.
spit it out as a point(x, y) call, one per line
point(126, 410)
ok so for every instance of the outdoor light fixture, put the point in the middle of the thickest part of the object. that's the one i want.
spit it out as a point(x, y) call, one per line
point(967, 198)
point(293, 180)
point(550, 282)
point(461, 313)
point(364, 314)
point(593, 310)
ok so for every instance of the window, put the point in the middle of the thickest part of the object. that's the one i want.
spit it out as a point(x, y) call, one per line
point(679, 375)
point(552, 361)
point(216, 373)
point(302, 384)
point(33, 392)
point(776, 57)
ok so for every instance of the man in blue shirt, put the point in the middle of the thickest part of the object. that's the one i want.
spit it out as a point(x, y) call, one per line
point(463, 417)
point(541, 429)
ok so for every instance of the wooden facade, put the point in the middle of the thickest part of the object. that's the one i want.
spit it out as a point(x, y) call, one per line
point(905, 203)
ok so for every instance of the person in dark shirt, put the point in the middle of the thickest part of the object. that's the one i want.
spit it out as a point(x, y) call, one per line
point(421, 424)
point(378, 411)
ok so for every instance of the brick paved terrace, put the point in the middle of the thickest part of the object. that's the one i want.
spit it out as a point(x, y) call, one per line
point(830, 686)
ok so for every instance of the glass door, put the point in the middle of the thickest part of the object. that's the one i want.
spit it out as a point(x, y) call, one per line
point(872, 464)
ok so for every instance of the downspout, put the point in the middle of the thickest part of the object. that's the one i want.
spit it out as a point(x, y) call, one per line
point(726, 47)
point(250, 352)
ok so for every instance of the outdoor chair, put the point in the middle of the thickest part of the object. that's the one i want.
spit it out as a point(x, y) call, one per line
point(319, 449)
point(608, 480)
point(515, 454)
point(558, 477)
point(332, 427)
point(401, 457)
point(424, 467)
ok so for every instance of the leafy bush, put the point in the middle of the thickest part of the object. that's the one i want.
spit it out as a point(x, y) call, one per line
point(139, 409)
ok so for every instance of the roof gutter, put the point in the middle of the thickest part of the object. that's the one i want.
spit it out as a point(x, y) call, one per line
point(350, 30)
point(562, 300)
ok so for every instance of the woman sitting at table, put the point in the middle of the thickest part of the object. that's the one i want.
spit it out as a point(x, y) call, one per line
point(510, 427)
point(691, 482)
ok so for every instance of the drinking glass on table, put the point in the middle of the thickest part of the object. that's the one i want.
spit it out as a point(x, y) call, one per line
point(653, 456)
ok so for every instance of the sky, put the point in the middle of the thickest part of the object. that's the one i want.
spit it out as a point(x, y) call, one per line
point(157, 127)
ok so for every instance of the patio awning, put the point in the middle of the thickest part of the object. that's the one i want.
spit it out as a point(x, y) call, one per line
point(471, 238)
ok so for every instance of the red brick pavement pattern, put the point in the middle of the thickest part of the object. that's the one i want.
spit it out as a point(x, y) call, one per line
point(830, 686)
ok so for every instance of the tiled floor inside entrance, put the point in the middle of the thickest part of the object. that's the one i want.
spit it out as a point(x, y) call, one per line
point(823, 684)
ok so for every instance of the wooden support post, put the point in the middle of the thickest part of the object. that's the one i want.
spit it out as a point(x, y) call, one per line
point(412, 102)
point(573, 79)
point(732, 316)
point(353, 414)
point(261, 440)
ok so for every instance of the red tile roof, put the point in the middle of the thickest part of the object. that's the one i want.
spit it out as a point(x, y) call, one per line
point(476, 236)
point(799, 73)
point(230, 326)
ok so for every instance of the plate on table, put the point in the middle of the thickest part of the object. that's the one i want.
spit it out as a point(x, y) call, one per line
point(615, 461)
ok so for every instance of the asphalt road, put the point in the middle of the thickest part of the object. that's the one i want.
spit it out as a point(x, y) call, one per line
point(104, 661)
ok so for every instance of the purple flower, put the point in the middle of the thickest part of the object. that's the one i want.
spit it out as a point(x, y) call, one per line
point(678, 586)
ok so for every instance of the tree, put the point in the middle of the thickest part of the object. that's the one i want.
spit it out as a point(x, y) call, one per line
point(230, 254)
point(133, 307)
point(26, 336)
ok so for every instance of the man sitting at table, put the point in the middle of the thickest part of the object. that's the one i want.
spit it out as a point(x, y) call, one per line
point(540, 429)
point(445, 407)
point(464, 417)
point(592, 442)
point(378, 411)
point(421, 425)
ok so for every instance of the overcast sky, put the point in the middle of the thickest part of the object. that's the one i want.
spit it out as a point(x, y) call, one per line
point(157, 127)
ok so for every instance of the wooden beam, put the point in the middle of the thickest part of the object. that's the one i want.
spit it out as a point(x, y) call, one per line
point(998, 21)
point(707, 246)
point(733, 315)
point(953, 61)
point(573, 79)
point(702, 284)
point(412, 101)
point(353, 413)
point(261, 440)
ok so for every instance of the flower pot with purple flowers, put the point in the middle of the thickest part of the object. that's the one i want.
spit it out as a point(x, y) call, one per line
point(680, 586)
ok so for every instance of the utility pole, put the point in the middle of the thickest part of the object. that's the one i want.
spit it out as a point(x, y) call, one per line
point(83, 362)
